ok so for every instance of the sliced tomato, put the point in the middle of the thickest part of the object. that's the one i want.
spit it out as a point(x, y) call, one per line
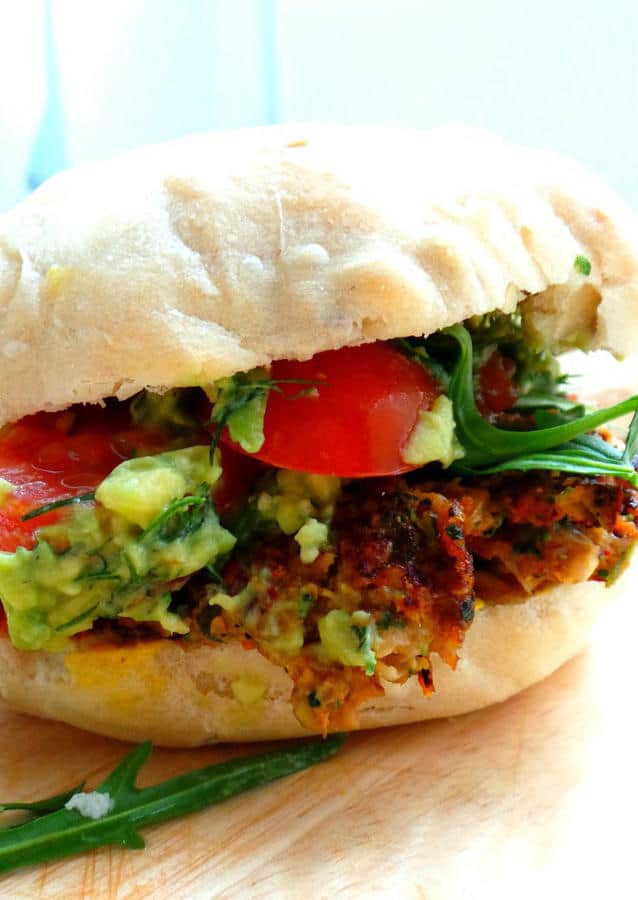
point(496, 384)
point(357, 420)
point(45, 463)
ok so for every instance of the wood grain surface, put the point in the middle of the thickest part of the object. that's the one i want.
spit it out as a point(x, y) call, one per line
point(534, 797)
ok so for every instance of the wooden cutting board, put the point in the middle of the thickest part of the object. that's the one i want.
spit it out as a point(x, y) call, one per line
point(534, 797)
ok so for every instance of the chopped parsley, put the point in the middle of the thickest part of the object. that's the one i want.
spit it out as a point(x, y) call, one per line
point(582, 265)
point(364, 636)
point(391, 619)
point(306, 602)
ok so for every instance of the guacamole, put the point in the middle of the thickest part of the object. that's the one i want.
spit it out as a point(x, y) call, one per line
point(153, 523)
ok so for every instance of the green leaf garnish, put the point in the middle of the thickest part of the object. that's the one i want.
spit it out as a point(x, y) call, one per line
point(65, 832)
point(631, 442)
point(565, 447)
point(40, 807)
point(550, 401)
point(582, 265)
point(58, 504)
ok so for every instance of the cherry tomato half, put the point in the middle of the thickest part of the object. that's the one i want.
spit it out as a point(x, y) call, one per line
point(356, 422)
point(496, 384)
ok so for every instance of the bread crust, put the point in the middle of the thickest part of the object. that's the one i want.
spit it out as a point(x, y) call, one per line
point(182, 263)
point(180, 695)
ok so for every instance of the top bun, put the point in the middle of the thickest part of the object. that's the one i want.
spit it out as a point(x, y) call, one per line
point(179, 264)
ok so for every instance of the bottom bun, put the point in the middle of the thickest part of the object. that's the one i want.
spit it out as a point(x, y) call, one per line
point(179, 695)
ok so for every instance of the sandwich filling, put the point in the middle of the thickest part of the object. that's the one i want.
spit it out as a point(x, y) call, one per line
point(347, 516)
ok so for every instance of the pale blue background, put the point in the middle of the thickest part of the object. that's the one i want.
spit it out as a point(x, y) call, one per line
point(83, 80)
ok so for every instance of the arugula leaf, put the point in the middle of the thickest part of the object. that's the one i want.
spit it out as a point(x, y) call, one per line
point(39, 807)
point(569, 458)
point(631, 442)
point(550, 401)
point(565, 447)
point(66, 831)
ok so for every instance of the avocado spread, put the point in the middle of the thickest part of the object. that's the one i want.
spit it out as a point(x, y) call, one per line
point(434, 436)
point(6, 489)
point(153, 523)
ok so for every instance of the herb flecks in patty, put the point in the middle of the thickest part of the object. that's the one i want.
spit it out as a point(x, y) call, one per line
point(413, 555)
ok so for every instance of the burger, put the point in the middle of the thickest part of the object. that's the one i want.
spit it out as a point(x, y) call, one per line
point(286, 446)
